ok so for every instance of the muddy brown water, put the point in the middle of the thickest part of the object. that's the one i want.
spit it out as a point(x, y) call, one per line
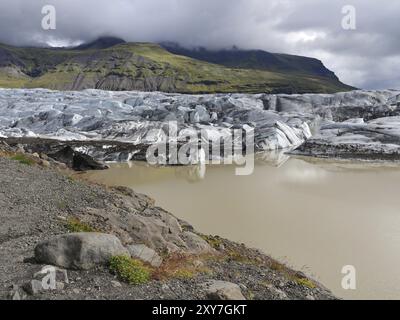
point(316, 216)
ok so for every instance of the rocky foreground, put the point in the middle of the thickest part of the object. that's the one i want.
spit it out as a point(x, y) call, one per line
point(112, 243)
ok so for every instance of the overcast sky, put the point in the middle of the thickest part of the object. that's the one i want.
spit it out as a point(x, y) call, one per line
point(368, 57)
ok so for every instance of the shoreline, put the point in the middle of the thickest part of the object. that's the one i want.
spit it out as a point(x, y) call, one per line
point(204, 259)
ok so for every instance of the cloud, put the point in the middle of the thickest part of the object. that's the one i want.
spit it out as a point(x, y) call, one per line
point(368, 57)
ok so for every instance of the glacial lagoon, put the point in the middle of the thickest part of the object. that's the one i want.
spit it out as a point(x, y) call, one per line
point(315, 215)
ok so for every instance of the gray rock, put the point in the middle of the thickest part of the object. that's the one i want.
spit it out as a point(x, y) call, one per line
point(52, 273)
point(222, 290)
point(196, 244)
point(76, 160)
point(277, 293)
point(152, 226)
point(144, 253)
point(33, 287)
point(116, 284)
point(45, 163)
point(79, 250)
point(16, 293)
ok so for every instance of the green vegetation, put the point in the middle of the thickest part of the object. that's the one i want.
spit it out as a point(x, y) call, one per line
point(75, 225)
point(275, 265)
point(213, 241)
point(184, 274)
point(305, 282)
point(21, 158)
point(182, 266)
point(145, 66)
point(127, 269)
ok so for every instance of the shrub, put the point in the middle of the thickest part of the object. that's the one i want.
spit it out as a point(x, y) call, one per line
point(130, 270)
point(75, 225)
point(181, 266)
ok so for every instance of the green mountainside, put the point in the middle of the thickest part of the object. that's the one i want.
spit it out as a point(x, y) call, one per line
point(112, 64)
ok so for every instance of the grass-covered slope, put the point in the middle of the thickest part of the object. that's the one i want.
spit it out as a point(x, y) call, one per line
point(145, 66)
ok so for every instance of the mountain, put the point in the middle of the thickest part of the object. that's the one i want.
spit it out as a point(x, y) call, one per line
point(112, 64)
point(255, 59)
point(101, 43)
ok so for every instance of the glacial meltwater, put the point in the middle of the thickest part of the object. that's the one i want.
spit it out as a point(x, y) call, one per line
point(316, 216)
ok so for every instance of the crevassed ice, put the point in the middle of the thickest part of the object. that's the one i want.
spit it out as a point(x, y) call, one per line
point(279, 121)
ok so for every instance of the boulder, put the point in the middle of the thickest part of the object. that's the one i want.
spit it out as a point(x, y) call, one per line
point(222, 290)
point(80, 251)
point(76, 160)
point(83, 162)
point(143, 223)
point(45, 163)
point(196, 244)
point(146, 254)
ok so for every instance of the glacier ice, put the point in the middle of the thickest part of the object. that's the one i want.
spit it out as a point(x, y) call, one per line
point(279, 121)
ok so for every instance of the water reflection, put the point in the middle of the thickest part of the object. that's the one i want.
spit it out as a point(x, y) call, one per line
point(275, 158)
point(198, 172)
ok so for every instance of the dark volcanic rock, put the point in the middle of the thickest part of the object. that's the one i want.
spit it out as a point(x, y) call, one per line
point(83, 162)
point(76, 160)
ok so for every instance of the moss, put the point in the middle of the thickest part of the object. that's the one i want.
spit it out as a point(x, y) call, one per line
point(213, 241)
point(75, 225)
point(238, 257)
point(277, 266)
point(251, 295)
point(21, 158)
point(130, 270)
point(71, 179)
point(305, 282)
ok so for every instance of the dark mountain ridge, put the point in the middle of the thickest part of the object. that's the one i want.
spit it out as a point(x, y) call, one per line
point(254, 59)
point(100, 43)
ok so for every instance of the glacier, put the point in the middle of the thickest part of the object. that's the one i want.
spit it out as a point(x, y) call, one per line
point(280, 122)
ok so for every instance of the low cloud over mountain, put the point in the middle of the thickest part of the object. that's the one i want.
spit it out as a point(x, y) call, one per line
point(368, 57)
